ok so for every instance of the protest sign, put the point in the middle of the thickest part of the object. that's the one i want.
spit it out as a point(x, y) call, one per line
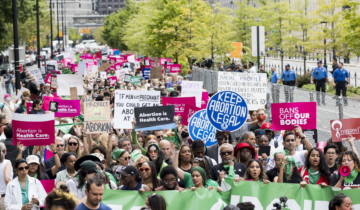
point(127, 77)
point(311, 135)
point(48, 79)
point(67, 81)
point(286, 115)
point(68, 108)
point(18, 96)
point(126, 100)
point(135, 80)
point(112, 80)
point(66, 71)
point(200, 128)
point(33, 129)
point(120, 73)
point(251, 86)
point(28, 107)
point(48, 185)
point(42, 69)
point(53, 83)
point(227, 110)
point(47, 100)
point(192, 88)
point(38, 76)
point(104, 66)
point(204, 99)
point(98, 127)
point(342, 128)
point(103, 75)
point(179, 104)
point(97, 110)
point(163, 60)
point(51, 65)
point(174, 68)
point(155, 72)
point(146, 73)
point(81, 68)
point(188, 112)
point(154, 118)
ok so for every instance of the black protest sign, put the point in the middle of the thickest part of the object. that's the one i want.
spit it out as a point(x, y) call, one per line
point(127, 77)
point(98, 127)
point(311, 135)
point(154, 116)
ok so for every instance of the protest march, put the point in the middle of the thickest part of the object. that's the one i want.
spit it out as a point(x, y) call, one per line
point(132, 132)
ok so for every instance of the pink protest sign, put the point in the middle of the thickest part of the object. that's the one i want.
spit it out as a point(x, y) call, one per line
point(48, 154)
point(112, 80)
point(47, 100)
point(162, 60)
point(33, 129)
point(48, 79)
point(66, 61)
point(174, 68)
point(152, 63)
point(189, 111)
point(204, 99)
point(68, 108)
point(48, 185)
point(179, 104)
point(286, 115)
point(28, 107)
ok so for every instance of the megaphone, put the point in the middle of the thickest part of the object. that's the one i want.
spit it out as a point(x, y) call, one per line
point(344, 170)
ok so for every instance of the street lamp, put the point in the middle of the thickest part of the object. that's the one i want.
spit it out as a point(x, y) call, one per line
point(108, 9)
point(324, 24)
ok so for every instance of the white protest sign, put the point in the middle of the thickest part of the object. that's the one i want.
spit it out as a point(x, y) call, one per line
point(251, 86)
point(137, 64)
point(131, 59)
point(103, 75)
point(126, 100)
point(51, 65)
point(42, 69)
point(81, 68)
point(67, 81)
point(120, 73)
point(38, 77)
point(192, 88)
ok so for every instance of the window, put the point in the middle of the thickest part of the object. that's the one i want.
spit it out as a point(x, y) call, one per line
point(79, 5)
point(103, 0)
point(116, 0)
point(116, 6)
point(103, 6)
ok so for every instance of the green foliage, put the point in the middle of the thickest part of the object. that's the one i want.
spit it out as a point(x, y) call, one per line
point(303, 79)
point(74, 35)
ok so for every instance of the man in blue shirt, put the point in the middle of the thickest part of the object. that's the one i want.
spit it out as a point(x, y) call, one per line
point(341, 81)
point(275, 79)
point(289, 79)
point(319, 76)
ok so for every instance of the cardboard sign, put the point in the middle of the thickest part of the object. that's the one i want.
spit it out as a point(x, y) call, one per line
point(154, 118)
point(192, 88)
point(188, 112)
point(33, 129)
point(342, 128)
point(98, 127)
point(146, 73)
point(68, 108)
point(97, 111)
point(155, 72)
point(251, 86)
point(227, 110)
point(179, 105)
point(73, 93)
point(126, 100)
point(104, 67)
point(200, 128)
point(286, 115)
point(135, 80)
point(67, 81)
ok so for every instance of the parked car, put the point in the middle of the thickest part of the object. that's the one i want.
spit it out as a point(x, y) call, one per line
point(29, 61)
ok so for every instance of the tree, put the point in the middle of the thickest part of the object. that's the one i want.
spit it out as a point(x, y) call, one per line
point(352, 27)
point(97, 36)
point(74, 35)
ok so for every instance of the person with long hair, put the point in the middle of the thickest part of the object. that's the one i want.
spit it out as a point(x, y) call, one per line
point(73, 145)
point(61, 199)
point(316, 170)
point(340, 202)
point(36, 168)
point(131, 179)
point(244, 153)
point(255, 172)
point(22, 106)
point(140, 160)
point(6, 173)
point(122, 158)
point(155, 154)
point(155, 202)
point(68, 159)
point(24, 192)
point(285, 170)
point(149, 175)
point(37, 107)
point(350, 159)
point(185, 158)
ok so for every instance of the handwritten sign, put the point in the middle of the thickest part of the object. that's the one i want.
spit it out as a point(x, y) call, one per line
point(192, 88)
point(97, 110)
point(67, 81)
point(98, 127)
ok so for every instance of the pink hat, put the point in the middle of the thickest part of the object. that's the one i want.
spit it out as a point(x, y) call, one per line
point(7, 95)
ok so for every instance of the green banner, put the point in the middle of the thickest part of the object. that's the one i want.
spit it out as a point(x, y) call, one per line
point(135, 80)
point(65, 128)
point(67, 71)
point(312, 197)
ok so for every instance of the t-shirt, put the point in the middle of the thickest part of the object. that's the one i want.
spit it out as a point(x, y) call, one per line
point(335, 178)
point(189, 183)
point(299, 158)
point(82, 206)
point(334, 168)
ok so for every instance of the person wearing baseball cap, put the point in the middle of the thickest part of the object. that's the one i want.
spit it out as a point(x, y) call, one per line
point(36, 169)
point(289, 79)
point(131, 179)
point(319, 77)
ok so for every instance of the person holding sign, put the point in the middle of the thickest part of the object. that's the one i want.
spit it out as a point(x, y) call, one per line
point(289, 79)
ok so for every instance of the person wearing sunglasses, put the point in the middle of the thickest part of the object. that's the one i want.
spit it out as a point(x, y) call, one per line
point(169, 177)
point(122, 158)
point(36, 168)
point(24, 192)
point(37, 107)
point(157, 156)
point(73, 145)
point(227, 168)
point(149, 176)
point(131, 179)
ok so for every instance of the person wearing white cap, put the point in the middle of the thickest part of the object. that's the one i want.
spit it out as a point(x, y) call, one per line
point(36, 169)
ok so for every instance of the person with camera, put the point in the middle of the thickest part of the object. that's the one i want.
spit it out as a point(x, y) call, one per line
point(341, 82)
point(319, 77)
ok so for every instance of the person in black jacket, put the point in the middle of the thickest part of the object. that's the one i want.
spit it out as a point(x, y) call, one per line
point(33, 88)
point(334, 65)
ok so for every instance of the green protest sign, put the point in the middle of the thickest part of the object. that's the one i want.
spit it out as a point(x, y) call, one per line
point(67, 71)
point(135, 80)
point(312, 197)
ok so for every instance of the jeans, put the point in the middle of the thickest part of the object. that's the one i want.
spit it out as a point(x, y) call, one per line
point(8, 88)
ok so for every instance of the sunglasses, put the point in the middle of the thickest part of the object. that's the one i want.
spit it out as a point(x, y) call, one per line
point(72, 143)
point(153, 151)
point(125, 158)
point(144, 169)
point(60, 145)
point(23, 168)
point(168, 181)
point(226, 153)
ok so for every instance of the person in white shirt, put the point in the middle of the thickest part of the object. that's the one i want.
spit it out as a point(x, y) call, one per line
point(6, 174)
point(252, 68)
